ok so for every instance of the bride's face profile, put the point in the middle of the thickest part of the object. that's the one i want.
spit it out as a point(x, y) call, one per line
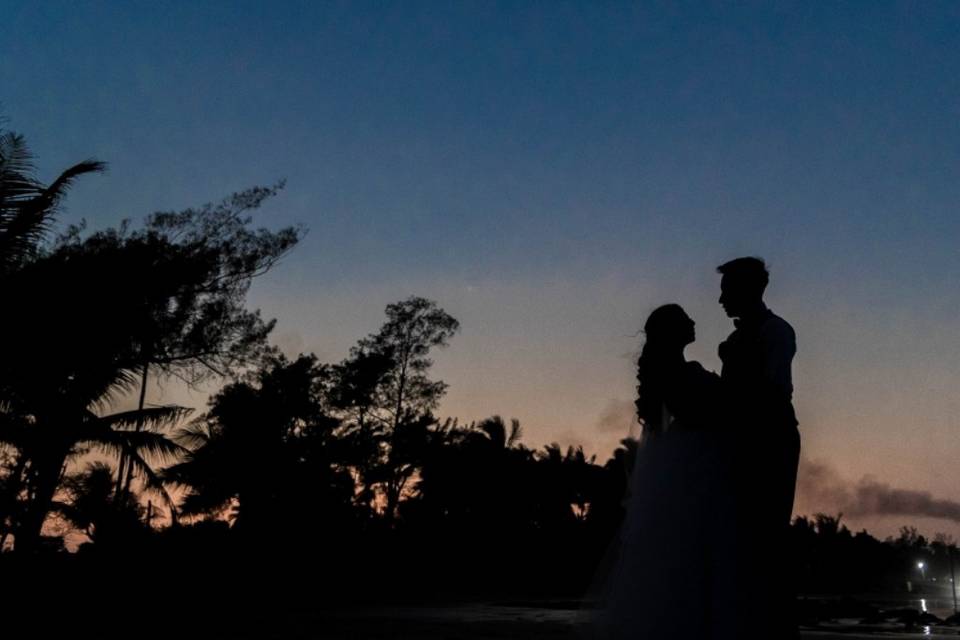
point(686, 329)
point(691, 332)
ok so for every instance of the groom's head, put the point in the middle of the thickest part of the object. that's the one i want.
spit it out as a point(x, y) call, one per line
point(742, 284)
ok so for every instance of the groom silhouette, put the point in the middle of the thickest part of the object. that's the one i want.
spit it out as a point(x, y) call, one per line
point(757, 381)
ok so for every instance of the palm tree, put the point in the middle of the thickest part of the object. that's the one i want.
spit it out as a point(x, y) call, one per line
point(67, 355)
point(474, 480)
point(92, 509)
point(26, 210)
point(496, 431)
point(572, 482)
point(213, 470)
point(66, 432)
point(26, 205)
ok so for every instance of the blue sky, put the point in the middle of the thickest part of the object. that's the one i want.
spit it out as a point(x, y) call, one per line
point(549, 173)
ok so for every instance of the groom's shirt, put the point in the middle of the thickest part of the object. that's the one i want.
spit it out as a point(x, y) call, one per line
point(757, 359)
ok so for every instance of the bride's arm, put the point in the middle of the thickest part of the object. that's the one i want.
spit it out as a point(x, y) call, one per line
point(699, 393)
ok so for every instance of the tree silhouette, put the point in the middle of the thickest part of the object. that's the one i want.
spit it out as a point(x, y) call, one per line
point(396, 395)
point(92, 509)
point(355, 395)
point(343, 469)
point(69, 354)
point(471, 479)
point(27, 206)
point(115, 303)
point(265, 445)
point(199, 266)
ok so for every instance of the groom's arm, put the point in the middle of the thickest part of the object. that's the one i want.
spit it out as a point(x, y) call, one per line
point(779, 347)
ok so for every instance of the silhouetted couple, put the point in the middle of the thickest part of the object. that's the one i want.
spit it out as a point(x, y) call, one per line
point(703, 549)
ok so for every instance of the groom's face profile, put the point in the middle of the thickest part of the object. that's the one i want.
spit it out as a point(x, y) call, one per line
point(735, 298)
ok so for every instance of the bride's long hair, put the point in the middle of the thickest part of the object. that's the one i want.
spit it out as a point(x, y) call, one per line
point(613, 588)
point(658, 347)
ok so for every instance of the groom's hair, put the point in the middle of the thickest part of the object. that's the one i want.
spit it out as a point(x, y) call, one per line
point(750, 272)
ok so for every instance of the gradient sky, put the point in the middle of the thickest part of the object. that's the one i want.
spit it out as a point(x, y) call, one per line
point(549, 173)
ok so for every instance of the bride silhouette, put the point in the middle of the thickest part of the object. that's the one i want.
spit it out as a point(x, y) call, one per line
point(676, 569)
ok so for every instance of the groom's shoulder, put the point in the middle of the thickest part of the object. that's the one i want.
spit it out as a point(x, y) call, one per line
point(777, 326)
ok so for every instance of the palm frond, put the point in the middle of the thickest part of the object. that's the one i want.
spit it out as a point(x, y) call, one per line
point(150, 418)
point(205, 503)
point(16, 170)
point(148, 444)
point(107, 385)
point(194, 435)
point(153, 482)
point(154, 446)
point(58, 187)
point(33, 216)
point(516, 433)
point(26, 206)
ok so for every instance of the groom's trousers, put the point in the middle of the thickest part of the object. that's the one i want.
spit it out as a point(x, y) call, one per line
point(769, 459)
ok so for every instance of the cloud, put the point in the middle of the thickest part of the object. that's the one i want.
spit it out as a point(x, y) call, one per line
point(821, 488)
point(878, 498)
point(618, 416)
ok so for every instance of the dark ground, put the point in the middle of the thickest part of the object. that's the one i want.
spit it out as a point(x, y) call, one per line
point(145, 598)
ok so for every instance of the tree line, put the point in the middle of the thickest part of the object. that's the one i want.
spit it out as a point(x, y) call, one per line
point(343, 466)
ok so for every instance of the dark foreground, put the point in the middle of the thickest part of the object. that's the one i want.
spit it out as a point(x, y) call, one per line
point(483, 621)
point(158, 597)
point(178, 617)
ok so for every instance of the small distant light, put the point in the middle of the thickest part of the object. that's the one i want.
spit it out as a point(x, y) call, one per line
point(920, 565)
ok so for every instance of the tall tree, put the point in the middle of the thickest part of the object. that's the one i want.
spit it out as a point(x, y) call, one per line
point(96, 313)
point(354, 397)
point(200, 264)
point(398, 396)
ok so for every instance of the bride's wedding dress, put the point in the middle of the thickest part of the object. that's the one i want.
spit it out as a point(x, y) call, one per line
point(675, 571)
